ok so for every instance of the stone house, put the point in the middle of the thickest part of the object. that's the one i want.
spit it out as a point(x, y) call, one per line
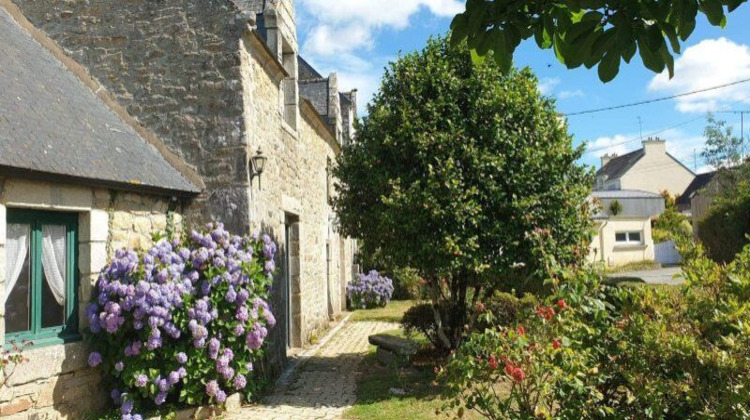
point(119, 119)
point(650, 168)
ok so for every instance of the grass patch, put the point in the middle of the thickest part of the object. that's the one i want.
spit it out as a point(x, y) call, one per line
point(633, 266)
point(393, 312)
point(374, 398)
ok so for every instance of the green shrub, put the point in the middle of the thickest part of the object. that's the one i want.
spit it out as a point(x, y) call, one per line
point(408, 285)
point(723, 230)
point(617, 352)
point(420, 319)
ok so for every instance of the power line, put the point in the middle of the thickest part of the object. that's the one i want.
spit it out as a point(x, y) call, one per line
point(650, 101)
point(609, 146)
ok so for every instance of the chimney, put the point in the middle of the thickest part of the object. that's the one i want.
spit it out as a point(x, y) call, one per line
point(654, 145)
point(607, 157)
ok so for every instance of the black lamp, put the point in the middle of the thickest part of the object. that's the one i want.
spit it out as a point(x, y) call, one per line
point(257, 163)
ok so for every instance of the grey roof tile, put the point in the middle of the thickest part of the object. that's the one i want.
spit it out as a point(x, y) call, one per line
point(54, 124)
point(617, 166)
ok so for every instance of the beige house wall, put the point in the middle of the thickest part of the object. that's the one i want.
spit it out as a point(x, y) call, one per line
point(57, 381)
point(657, 171)
point(605, 249)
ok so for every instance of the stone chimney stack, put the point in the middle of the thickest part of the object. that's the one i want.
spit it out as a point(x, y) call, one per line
point(654, 145)
point(607, 157)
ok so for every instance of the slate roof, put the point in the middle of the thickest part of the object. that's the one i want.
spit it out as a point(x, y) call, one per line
point(619, 165)
point(307, 71)
point(54, 126)
point(700, 181)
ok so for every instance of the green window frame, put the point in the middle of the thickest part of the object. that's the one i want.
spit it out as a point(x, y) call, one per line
point(69, 330)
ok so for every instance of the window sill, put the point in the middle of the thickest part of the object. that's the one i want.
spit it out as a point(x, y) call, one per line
point(629, 247)
point(42, 341)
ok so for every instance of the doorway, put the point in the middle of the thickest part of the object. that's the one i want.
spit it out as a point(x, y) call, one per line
point(291, 295)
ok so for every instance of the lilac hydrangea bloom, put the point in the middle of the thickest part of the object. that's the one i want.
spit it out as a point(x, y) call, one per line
point(370, 290)
point(141, 380)
point(95, 359)
point(149, 294)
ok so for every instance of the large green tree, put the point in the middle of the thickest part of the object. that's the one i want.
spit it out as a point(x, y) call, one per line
point(587, 32)
point(460, 171)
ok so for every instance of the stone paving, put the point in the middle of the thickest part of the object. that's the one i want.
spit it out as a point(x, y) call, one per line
point(324, 385)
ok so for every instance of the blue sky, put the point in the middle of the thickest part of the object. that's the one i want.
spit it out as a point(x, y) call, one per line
point(357, 38)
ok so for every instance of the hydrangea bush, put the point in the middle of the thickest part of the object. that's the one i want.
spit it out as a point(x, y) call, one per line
point(369, 290)
point(184, 321)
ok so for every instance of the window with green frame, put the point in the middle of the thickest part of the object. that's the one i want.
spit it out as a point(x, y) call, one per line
point(41, 276)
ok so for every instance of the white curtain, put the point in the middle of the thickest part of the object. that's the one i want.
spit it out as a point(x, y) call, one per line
point(53, 259)
point(16, 248)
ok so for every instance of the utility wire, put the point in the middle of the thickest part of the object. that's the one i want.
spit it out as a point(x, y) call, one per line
point(650, 101)
point(609, 146)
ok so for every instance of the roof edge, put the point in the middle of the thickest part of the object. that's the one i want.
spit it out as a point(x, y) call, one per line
point(80, 73)
point(270, 62)
point(35, 175)
point(317, 121)
point(680, 163)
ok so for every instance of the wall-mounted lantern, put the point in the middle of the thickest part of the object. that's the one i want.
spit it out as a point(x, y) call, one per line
point(257, 164)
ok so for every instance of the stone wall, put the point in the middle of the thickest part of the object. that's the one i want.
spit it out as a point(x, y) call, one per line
point(294, 189)
point(57, 381)
point(174, 65)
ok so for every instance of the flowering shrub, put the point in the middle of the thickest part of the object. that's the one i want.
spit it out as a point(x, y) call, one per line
point(183, 321)
point(369, 290)
point(594, 351)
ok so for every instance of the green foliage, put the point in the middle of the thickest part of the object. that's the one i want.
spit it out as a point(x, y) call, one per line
point(615, 208)
point(506, 308)
point(455, 167)
point(724, 229)
point(586, 32)
point(671, 225)
point(421, 319)
point(631, 352)
point(723, 149)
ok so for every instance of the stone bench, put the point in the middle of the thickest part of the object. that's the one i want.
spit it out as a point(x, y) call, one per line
point(391, 348)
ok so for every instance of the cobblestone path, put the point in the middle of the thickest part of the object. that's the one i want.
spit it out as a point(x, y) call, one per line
point(323, 387)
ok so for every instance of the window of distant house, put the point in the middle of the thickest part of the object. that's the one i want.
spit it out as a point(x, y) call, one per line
point(41, 276)
point(628, 238)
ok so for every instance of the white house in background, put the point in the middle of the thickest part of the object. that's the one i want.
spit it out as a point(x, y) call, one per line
point(623, 230)
point(650, 169)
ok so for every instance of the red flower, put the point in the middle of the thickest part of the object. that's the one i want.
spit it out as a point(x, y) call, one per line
point(561, 303)
point(493, 362)
point(518, 374)
point(509, 369)
point(521, 331)
point(556, 344)
point(480, 307)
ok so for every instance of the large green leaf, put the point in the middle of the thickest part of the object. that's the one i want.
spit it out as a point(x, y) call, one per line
point(609, 67)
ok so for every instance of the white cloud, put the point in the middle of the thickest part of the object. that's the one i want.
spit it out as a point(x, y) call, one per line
point(611, 144)
point(547, 85)
point(709, 63)
point(567, 94)
point(341, 35)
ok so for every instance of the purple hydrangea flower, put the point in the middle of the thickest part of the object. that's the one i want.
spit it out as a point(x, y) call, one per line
point(95, 359)
point(240, 382)
point(119, 366)
point(182, 358)
point(212, 387)
point(141, 380)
